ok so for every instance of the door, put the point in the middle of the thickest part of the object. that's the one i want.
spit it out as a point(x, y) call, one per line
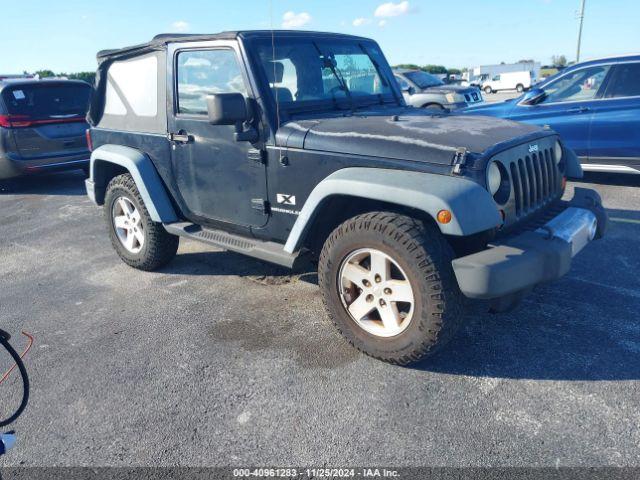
point(215, 176)
point(615, 124)
point(567, 106)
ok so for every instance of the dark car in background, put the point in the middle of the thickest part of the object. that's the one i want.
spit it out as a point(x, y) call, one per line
point(593, 105)
point(43, 126)
point(423, 90)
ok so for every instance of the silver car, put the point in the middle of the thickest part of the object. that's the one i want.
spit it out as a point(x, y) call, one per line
point(423, 90)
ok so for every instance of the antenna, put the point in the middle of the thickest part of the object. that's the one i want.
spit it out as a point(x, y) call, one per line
point(273, 61)
point(273, 57)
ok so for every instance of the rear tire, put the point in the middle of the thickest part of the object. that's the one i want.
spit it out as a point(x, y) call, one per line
point(414, 251)
point(520, 88)
point(139, 241)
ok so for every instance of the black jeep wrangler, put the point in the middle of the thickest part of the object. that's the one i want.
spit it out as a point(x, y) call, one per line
point(297, 145)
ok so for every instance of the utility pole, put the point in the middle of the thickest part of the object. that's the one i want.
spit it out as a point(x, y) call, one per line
point(580, 20)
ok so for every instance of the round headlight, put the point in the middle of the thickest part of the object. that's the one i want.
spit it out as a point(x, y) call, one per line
point(494, 178)
point(558, 152)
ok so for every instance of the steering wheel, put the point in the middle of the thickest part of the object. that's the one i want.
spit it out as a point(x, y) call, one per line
point(336, 88)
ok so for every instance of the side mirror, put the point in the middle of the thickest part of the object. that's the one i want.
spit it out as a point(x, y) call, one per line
point(408, 90)
point(231, 109)
point(227, 108)
point(533, 96)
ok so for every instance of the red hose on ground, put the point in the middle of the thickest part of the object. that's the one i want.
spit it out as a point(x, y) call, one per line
point(6, 375)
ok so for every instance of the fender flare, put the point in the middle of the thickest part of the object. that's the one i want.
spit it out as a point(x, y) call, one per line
point(472, 206)
point(141, 168)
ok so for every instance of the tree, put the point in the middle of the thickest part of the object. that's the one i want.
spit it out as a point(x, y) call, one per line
point(454, 71)
point(526, 60)
point(434, 69)
point(408, 66)
point(45, 73)
point(559, 61)
point(88, 77)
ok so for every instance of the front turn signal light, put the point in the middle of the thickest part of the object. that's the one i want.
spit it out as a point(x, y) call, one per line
point(444, 216)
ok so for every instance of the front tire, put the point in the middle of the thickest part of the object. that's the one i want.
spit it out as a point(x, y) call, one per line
point(389, 288)
point(139, 241)
point(488, 90)
point(520, 88)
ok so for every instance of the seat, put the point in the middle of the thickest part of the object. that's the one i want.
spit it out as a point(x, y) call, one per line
point(281, 94)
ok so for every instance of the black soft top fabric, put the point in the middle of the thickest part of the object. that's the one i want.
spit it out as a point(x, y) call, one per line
point(160, 42)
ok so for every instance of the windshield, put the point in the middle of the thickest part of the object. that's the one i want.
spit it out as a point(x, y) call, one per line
point(424, 79)
point(47, 100)
point(305, 71)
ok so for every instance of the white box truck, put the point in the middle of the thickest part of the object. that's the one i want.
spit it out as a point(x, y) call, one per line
point(519, 81)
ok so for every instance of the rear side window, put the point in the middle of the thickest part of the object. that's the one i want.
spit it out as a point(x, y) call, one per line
point(625, 81)
point(205, 72)
point(47, 100)
point(133, 92)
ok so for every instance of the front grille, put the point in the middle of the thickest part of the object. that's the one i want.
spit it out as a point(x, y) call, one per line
point(472, 97)
point(535, 179)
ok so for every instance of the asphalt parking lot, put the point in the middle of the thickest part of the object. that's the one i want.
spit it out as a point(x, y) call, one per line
point(223, 360)
point(500, 96)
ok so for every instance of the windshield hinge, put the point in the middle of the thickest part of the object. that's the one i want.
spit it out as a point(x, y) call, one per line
point(459, 160)
point(257, 156)
point(261, 205)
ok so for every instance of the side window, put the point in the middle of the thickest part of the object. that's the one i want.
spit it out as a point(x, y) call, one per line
point(496, 78)
point(204, 72)
point(581, 85)
point(625, 81)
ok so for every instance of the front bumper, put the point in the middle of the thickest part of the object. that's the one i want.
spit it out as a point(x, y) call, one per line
point(519, 263)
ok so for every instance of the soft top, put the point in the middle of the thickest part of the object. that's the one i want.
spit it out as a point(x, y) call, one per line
point(160, 42)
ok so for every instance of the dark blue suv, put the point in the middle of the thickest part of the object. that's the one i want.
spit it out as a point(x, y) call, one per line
point(594, 106)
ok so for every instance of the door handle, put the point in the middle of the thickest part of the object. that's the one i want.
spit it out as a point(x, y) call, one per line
point(180, 137)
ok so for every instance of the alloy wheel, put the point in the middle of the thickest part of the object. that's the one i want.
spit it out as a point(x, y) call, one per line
point(127, 223)
point(376, 292)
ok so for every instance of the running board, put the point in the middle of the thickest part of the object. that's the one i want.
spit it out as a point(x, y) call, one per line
point(267, 251)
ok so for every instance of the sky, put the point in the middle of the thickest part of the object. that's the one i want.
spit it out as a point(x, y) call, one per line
point(65, 35)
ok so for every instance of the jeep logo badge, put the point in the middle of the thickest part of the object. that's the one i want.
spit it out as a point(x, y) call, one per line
point(533, 148)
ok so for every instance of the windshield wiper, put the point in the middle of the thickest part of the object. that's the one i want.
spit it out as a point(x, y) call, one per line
point(328, 63)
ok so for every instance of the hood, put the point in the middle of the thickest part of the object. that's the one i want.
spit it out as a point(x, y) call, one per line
point(415, 135)
point(499, 109)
